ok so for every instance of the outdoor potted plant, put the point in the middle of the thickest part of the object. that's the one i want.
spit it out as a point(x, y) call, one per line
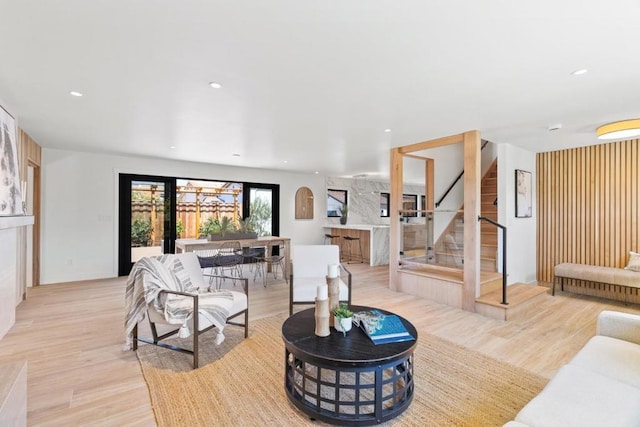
point(342, 318)
point(343, 211)
point(224, 229)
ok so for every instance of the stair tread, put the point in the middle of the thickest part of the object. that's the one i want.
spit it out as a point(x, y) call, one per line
point(449, 273)
point(517, 294)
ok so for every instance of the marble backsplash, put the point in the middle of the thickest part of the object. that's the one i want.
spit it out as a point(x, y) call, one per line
point(364, 199)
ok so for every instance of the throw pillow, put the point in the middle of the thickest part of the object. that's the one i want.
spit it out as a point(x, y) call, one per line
point(634, 262)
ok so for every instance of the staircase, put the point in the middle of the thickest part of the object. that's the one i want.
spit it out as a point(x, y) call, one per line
point(450, 247)
point(442, 281)
point(489, 209)
point(522, 299)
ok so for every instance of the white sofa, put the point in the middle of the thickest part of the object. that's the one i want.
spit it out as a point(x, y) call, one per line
point(309, 269)
point(599, 387)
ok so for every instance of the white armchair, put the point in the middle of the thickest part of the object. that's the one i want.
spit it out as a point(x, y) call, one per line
point(169, 290)
point(309, 269)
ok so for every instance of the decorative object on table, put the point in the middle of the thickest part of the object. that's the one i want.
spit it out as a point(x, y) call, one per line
point(382, 328)
point(523, 194)
point(344, 210)
point(343, 318)
point(10, 185)
point(322, 311)
point(333, 284)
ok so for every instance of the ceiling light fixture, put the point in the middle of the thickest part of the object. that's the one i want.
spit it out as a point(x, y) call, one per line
point(74, 93)
point(215, 85)
point(619, 130)
point(236, 155)
point(387, 130)
point(579, 72)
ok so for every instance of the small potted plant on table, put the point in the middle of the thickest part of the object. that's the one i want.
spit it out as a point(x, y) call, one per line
point(342, 318)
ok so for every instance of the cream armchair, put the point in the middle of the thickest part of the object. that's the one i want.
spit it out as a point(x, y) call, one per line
point(309, 269)
point(169, 290)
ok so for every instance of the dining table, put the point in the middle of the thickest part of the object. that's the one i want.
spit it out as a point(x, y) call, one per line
point(191, 245)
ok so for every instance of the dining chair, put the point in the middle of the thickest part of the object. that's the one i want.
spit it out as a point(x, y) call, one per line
point(272, 259)
point(229, 257)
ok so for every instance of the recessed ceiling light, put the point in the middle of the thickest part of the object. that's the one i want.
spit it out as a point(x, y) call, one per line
point(387, 130)
point(215, 85)
point(286, 161)
point(316, 172)
point(74, 93)
point(579, 72)
point(173, 147)
point(236, 155)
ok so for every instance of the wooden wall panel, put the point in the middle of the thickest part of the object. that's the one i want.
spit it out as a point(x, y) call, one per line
point(30, 154)
point(588, 206)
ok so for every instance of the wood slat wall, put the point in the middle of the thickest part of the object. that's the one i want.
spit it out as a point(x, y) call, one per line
point(30, 154)
point(588, 206)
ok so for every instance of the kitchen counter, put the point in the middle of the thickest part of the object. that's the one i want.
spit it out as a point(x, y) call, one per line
point(373, 238)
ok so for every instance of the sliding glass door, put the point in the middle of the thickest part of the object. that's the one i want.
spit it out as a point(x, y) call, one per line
point(155, 210)
point(147, 215)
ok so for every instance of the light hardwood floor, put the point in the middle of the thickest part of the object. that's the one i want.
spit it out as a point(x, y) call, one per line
point(72, 337)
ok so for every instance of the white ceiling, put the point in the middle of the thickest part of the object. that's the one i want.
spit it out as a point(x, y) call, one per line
point(315, 83)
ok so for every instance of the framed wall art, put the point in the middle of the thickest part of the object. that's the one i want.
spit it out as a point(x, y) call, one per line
point(524, 197)
point(10, 188)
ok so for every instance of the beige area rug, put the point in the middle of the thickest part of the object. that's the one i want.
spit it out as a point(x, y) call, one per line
point(241, 383)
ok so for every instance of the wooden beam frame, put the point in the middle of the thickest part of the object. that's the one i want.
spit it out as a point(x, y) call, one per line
point(472, 165)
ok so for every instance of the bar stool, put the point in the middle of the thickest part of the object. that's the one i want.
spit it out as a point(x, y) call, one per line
point(348, 240)
point(330, 237)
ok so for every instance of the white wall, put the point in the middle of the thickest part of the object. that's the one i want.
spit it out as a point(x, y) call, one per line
point(521, 232)
point(80, 212)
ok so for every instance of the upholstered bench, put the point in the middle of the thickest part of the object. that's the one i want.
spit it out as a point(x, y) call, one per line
point(610, 276)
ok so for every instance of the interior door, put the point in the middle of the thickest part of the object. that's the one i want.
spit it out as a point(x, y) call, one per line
point(147, 217)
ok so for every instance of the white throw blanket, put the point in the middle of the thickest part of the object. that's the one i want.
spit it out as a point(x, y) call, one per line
point(149, 276)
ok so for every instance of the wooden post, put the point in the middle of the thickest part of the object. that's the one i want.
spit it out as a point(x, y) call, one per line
point(154, 215)
point(471, 285)
point(395, 204)
point(198, 190)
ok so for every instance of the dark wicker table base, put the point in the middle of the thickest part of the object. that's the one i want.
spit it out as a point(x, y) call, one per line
point(350, 396)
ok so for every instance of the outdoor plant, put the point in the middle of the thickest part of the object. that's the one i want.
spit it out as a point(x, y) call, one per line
point(210, 226)
point(342, 312)
point(226, 226)
point(246, 225)
point(179, 227)
point(261, 217)
point(141, 232)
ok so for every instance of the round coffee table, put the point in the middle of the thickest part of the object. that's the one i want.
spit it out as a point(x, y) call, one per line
point(346, 380)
